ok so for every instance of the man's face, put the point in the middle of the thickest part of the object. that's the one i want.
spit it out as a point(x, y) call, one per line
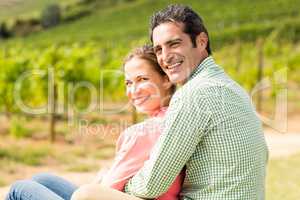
point(175, 51)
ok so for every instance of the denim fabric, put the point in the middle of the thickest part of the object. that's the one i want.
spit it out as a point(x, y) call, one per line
point(42, 186)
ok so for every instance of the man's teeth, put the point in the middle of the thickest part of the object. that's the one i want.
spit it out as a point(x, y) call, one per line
point(174, 65)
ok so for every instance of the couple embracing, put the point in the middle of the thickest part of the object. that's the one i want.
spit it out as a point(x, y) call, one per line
point(200, 142)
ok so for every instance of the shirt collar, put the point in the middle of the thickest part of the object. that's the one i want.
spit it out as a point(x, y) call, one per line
point(206, 63)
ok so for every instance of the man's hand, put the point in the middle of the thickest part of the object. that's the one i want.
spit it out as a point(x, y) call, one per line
point(99, 176)
point(84, 192)
point(100, 192)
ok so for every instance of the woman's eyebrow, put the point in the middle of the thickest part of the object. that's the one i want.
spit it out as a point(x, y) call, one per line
point(141, 76)
point(136, 77)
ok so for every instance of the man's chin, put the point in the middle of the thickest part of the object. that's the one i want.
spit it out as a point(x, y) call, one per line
point(176, 79)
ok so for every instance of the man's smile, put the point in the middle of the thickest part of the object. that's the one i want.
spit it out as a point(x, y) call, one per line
point(174, 67)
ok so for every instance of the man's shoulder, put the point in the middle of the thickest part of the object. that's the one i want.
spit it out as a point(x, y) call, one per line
point(211, 89)
point(203, 85)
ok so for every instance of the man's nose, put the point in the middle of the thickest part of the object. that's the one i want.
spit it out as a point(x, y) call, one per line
point(165, 55)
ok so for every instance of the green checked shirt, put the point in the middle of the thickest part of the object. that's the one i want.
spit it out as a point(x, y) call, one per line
point(212, 129)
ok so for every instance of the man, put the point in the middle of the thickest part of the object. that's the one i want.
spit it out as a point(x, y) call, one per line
point(211, 127)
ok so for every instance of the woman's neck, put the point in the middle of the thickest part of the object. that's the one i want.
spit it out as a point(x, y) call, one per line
point(156, 112)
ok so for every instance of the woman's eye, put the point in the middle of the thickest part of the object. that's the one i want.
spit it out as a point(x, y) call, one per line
point(127, 83)
point(143, 79)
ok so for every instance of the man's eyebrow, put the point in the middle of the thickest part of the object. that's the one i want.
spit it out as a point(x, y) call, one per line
point(173, 40)
point(168, 42)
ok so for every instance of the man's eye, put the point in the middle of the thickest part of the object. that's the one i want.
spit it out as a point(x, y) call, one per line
point(158, 51)
point(127, 83)
point(175, 44)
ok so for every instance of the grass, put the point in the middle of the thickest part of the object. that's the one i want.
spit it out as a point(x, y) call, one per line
point(22, 8)
point(23, 150)
point(114, 30)
point(19, 156)
point(283, 174)
point(283, 178)
point(226, 22)
point(29, 155)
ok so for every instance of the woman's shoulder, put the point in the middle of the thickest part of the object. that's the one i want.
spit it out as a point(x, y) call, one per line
point(145, 128)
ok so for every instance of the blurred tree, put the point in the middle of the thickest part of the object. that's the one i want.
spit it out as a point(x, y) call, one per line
point(51, 16)
point(4, 33)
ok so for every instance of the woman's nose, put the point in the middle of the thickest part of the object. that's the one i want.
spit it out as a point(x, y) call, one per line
point(135, 89)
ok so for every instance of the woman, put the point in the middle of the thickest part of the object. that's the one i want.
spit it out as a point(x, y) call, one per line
point(149, 90)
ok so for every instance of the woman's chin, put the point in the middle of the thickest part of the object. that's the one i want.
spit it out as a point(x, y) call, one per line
point(141, 109)
point(146, 110)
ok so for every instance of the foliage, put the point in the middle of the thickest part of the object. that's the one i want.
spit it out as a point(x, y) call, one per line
point(283, 177)
point(27, 155)
point(84, 57)
point(85, 71)
point(51, 16)
point(17, 129)
point(226, 22)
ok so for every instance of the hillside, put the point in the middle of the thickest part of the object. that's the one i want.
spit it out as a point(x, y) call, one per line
point(12, 8)
point(226, 22)
point(90, 48)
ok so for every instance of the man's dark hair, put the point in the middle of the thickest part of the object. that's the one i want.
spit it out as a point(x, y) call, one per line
point(193, 24)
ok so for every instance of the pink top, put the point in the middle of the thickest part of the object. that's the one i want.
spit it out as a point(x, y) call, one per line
point(133, 149)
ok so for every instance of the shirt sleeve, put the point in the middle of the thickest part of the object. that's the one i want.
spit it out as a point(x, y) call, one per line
point(185, 124)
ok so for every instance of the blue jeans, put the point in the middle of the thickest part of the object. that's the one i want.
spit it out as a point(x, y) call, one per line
point(43, 186)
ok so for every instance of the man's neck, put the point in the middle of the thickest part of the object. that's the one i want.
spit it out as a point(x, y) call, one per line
point(201, 58)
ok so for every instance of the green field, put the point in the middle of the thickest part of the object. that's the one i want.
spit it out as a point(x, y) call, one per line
point(283, 177)
point(114, 30)
point(225, 21)
point(85, 49)
point(11, 9)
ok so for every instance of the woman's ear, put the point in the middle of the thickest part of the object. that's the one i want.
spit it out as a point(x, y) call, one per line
point(167, 83)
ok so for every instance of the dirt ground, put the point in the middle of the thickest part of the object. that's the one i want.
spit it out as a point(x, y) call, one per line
point(280, 145)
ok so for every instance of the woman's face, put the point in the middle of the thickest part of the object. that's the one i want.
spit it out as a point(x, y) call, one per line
point(145, 87)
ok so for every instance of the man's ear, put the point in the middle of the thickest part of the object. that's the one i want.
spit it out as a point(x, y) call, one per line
point(202, 40)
